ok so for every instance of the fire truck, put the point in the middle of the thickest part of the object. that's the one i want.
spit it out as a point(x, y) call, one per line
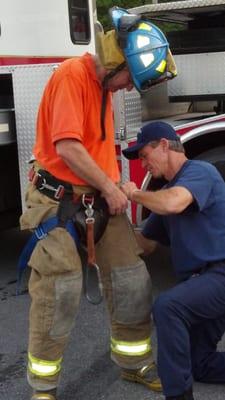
point(194, 102)
point(36, 36)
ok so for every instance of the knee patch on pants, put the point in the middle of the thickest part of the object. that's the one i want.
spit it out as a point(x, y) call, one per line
point(132, 294)
point(67, 297)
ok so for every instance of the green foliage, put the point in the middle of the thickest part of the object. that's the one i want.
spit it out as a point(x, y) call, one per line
point(103, 7)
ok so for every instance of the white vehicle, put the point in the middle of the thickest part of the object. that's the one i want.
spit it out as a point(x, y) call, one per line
point(36, 35)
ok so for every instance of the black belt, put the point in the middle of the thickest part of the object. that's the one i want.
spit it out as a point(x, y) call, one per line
point(50, 186)
point(210, 265)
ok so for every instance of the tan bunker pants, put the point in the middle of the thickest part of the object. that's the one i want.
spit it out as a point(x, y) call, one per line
point(55, 287)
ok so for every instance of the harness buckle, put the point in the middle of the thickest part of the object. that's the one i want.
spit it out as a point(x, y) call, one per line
point(33, 176)
point(40, 233)
point(87, 200)
point(43, 184)
point(59, 192)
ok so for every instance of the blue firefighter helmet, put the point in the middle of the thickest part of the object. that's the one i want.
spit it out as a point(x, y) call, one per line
point(144, 46)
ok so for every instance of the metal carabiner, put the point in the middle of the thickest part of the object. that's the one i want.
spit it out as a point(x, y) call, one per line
point(87, 200)
point(88, 204)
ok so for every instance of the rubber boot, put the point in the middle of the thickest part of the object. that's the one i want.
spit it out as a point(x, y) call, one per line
point(188, 395)
point(146, 375)
point(46, 395)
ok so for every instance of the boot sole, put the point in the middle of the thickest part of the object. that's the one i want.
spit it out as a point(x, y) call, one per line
point(154, 385)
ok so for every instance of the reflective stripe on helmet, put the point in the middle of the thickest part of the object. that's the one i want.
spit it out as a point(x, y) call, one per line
point(147, 59)
point(42, 367)
point(161, 67)
point(144, 26)
point(131, 348)
point(142, 41)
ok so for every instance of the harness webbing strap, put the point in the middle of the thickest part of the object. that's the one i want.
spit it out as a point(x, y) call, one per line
point(90, 242)
point(40, 233)
point(109, 76)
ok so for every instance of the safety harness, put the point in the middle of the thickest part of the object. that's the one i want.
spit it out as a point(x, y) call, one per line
point(85, 217)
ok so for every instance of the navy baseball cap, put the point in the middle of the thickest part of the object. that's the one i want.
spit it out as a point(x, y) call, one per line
point(148, 133)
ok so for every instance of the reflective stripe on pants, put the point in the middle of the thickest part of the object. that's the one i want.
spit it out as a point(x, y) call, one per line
point(42, 367)
point(131, 348)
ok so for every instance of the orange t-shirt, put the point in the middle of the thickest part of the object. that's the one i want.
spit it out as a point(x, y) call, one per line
point(70, 109)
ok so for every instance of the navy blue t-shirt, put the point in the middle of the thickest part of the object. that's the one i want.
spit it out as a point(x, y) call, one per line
point(197, 235)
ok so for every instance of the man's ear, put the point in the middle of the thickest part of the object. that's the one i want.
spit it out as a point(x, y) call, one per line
point(165, 144)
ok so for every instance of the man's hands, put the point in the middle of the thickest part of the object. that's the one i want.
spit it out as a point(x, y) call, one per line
point(116, 199)
point(129, 188)
point(80, 162)
point(173, 200)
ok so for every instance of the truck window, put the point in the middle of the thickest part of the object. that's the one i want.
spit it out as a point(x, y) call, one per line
point(79, 16)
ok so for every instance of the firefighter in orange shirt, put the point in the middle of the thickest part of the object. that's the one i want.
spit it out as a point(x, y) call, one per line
point(75, 154)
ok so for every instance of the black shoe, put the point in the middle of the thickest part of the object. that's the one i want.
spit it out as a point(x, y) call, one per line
point(44, 395)
point(187, 395)
point(147, 376)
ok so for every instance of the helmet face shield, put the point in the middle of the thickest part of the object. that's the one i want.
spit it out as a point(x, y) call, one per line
point(116, 14)
point(145, 48)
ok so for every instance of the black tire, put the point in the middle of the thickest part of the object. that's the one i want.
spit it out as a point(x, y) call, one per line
point(154, 184)
point(216, 157)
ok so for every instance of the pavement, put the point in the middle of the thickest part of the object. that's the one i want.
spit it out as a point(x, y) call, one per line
point(88, 372)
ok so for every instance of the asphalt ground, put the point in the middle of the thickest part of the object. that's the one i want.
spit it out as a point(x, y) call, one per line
point(88, 372)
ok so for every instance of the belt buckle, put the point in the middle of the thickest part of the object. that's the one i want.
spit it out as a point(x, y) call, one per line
point(59, 192)
point(33, 176)
point(40, 233)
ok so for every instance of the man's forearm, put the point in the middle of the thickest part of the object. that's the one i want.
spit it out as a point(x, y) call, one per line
point(165, 201)
point(154, 201)
point(80, 162)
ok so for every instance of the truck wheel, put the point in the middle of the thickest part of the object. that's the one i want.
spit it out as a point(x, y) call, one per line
point(216, 157)
point(152, 184)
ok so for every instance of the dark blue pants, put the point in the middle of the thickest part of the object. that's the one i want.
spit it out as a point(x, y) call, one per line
point(190, 321)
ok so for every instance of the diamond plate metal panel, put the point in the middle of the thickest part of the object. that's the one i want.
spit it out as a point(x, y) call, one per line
point(28, 85)
point(125, 163)
point(127, 112)
point(133, 114)
point(119, 113)
point(125, 173)
point(198, 74)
